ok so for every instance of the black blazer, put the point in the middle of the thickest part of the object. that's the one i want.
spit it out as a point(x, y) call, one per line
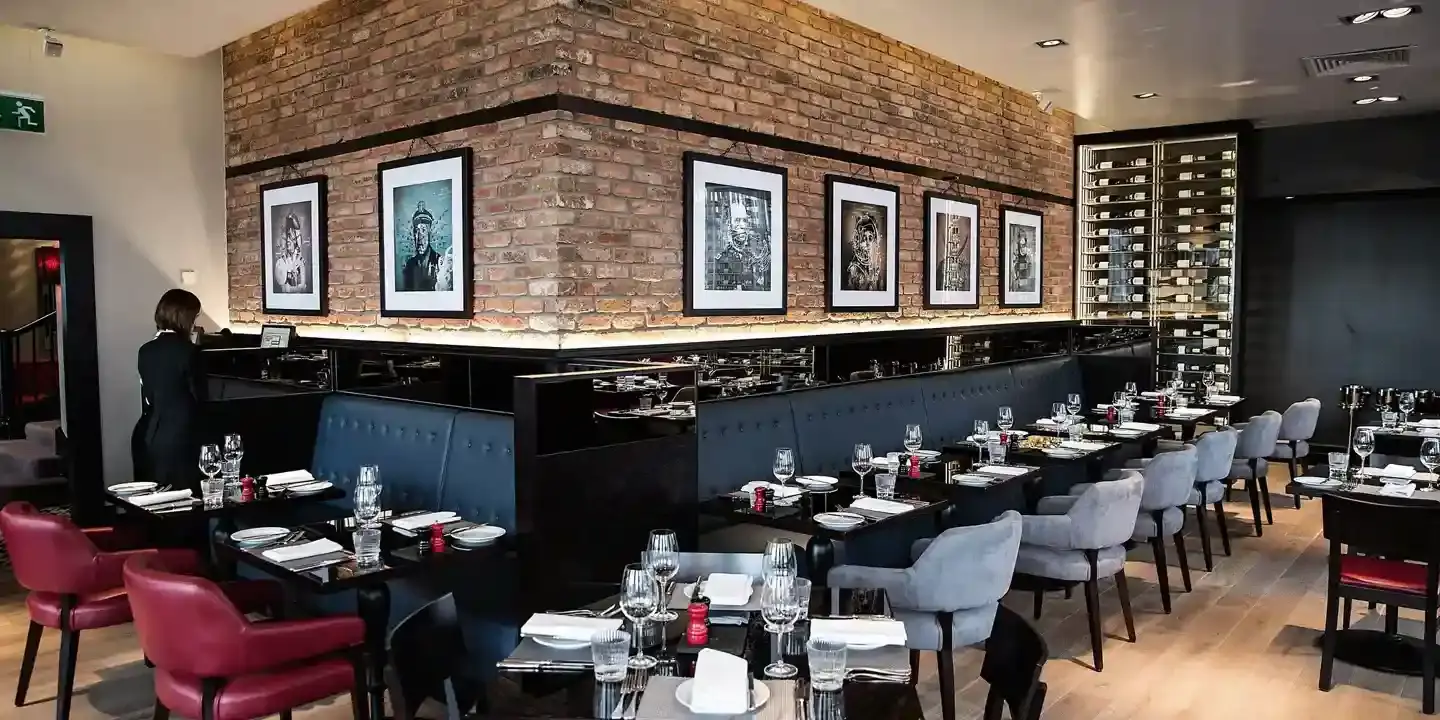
point(165, 445)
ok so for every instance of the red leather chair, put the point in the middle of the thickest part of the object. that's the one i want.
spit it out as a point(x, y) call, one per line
point(74, 585)
point(212, 663)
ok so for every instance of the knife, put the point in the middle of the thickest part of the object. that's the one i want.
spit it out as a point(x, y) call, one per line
point(322, 563)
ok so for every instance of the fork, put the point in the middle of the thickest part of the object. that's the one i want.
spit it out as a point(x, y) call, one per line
point(642, 682)
point(626, 690)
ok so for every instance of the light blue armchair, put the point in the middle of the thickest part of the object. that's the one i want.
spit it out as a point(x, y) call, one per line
point(1256, 442)
point(1297, 426)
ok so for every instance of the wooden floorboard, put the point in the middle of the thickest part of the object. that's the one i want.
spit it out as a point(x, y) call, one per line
point(1240, 645)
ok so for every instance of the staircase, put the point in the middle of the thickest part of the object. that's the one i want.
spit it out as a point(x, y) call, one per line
point(31, 462)
point(29, 404)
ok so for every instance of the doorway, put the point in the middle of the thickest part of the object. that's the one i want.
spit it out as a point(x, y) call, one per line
point(78, 351)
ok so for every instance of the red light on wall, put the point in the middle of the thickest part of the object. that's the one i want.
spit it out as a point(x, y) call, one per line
point(47, 265)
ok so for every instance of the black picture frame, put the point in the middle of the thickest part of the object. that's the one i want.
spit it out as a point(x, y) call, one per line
point(893, 252)
point(1005, 302)
point(691, 244)
point(322, 247)
point(465, 242)
point(929, 302)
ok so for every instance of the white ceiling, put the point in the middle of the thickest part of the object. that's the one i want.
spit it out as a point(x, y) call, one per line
point(1186, 50)
point(178, 27)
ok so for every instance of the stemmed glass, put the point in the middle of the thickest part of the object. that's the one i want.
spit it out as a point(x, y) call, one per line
point(1430, 457)
point(913, 438)
point(1072, 403)
point(784, 467)
point(662, 559)
point(1006, 418)
point(860, 462)
point(367, 504)
point(210, 465)
point(982, 436)
point(639, 598)
point(1131, 390)
point(1059, 413)
point(234, 451)
point(779, 559)
point(1364, 445)
point(1407, 404)
point(780, 607)
point(1208, 380)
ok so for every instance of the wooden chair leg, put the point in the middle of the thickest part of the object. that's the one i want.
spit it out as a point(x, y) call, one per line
point(1224, 528)
point(27, 661)
point(359, 698)
point(947, 666)
point(65, 686)
point(209, 690)
point(1265, 495)
point(1184, 558)
point(287, 715)
point(1157, 546)
point(1092, 609)
point(1204, 536)
point(914, 667)
point(1345, 615)
point(1327, 643)
point(1427, 662)
point(1039, 603)
point(1069, 593)
point(1252, 486)
point(1294, 473)
point(1122, 588)
point(1392, 620)
point(160, 712)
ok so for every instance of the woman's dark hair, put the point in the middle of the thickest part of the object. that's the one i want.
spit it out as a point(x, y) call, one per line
point(177, 311)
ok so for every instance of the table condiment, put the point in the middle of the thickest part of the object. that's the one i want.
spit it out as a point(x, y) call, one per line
point(437, 538)
point(698, 631)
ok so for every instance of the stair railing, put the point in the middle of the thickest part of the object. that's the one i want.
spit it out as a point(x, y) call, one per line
point(41, 336)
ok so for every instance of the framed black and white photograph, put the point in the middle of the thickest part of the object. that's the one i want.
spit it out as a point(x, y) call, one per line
point(293, 246)
point(734, 237)
point(862, 250)
point(425, 236)
point(1021, 269)
point(952, 252)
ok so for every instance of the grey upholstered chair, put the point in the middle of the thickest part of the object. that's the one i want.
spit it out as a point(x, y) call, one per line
point(1169, 481)
point(949, 595)
point(1079, 539)
point(1297, 426)
point(1256, 442)
point(1214, 456)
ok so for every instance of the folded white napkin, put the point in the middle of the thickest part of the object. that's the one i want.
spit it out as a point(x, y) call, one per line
point(1144, 427)
point(1047, 422)
point(859, 632)
point(781, 491)
point(881, 506)
point(289, 477)
point(1186, 412)
point(728, 589)
point(1085, 445)
point(971, 479)
point(1427, 422)
point(1009, 470)
point(1428, 431)
point(566, 627)
point(160, 498)
point(1406, 490)
point(1151, 394)
point(1225, 398)
point(1103, 408)
point(300, 552)
point(1397, 471)
point(415, 522)
point(721, 685)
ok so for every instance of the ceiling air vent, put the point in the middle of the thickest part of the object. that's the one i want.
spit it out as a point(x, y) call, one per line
point(1359, 62)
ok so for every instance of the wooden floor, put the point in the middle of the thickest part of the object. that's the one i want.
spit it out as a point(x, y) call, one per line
point(1240, 645)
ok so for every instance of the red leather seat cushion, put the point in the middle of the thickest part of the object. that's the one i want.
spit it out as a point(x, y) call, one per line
point(1382, 574)
point(260, 694)
point(96, 610)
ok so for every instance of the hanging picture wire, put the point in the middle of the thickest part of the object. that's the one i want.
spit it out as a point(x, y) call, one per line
point(748, 155)
point(410, 152)
point(290, 170)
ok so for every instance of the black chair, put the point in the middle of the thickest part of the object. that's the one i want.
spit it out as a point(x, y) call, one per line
point(425, 649)
point(1014, 657)
point(1400, 568)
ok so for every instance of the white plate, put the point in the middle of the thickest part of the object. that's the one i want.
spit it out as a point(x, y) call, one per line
point(258, 535)
point(762, 695)
point(1063, 452)
point(1395, 481)
point(1317, 482)
point(928, 453)
point(559, 644)
point(478, 535)
point(839, 519)
point(863, 646)
point(973, 480)
point(816, 480)
point(132, 488)
point(309, 488)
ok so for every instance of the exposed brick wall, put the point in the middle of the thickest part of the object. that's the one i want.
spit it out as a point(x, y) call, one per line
point(578, 219)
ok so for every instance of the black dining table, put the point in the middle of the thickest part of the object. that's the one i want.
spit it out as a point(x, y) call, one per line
point(400, 556)
point(1148, 412)
point(971, 503)
point(1386, 651)
point(533, 689)
point(736, 509)
point(1405, 440)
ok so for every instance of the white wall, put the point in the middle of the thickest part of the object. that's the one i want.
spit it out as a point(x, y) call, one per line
point(135, 140)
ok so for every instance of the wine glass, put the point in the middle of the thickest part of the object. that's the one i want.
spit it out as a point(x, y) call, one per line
point(1131, 389)
point(784, 466)
point(1430, 457)
point(982, 436)
point(913, 438)
point(779, 559)
point(860, 462)
point(1407, 404)
point(367, 504)
point(1364, 445)
point(210, 461)
point(234, 451)
point(1059, 413)
point(1072, 403)
point(780, 607)
point(639, 598)
point(1006, 419)
point(662, 559)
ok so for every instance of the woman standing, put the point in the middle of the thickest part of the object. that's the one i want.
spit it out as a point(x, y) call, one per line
point(172, 386)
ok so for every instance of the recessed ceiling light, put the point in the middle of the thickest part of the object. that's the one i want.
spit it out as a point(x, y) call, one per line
point(1392, 13)
point(1239, 83)
point(1052, 42)
point(1365, 101)
point(1364, 17)
point(1389, 98)
point(1146, 95)
point(1289, 197)
point(1397, 12)
point(1363, 78)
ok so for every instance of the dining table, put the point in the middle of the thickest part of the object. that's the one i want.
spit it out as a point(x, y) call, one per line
point(401, 555)
point(1188, 419)
point(562, 684)
point(977, 491)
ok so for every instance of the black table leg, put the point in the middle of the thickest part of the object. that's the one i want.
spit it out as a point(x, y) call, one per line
point(224, 566)
point(821, 555)
point(373, 603)
point(1382, 652)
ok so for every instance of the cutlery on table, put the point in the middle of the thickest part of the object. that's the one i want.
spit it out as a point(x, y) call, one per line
point(626, 690)
point(752, 694)
point(543, 665)
point(321, 564)
point(634, 707)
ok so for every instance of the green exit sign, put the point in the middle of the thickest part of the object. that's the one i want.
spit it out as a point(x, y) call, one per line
point(22, 113)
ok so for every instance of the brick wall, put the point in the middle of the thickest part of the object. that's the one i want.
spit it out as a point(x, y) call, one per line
point(578, 218)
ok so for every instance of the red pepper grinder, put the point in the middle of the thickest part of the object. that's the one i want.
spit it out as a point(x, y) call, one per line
point(914, 466)
point(247, 489)
point(1112, 414)
point(437, 538)
point(757, 499)
point(697, 633)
